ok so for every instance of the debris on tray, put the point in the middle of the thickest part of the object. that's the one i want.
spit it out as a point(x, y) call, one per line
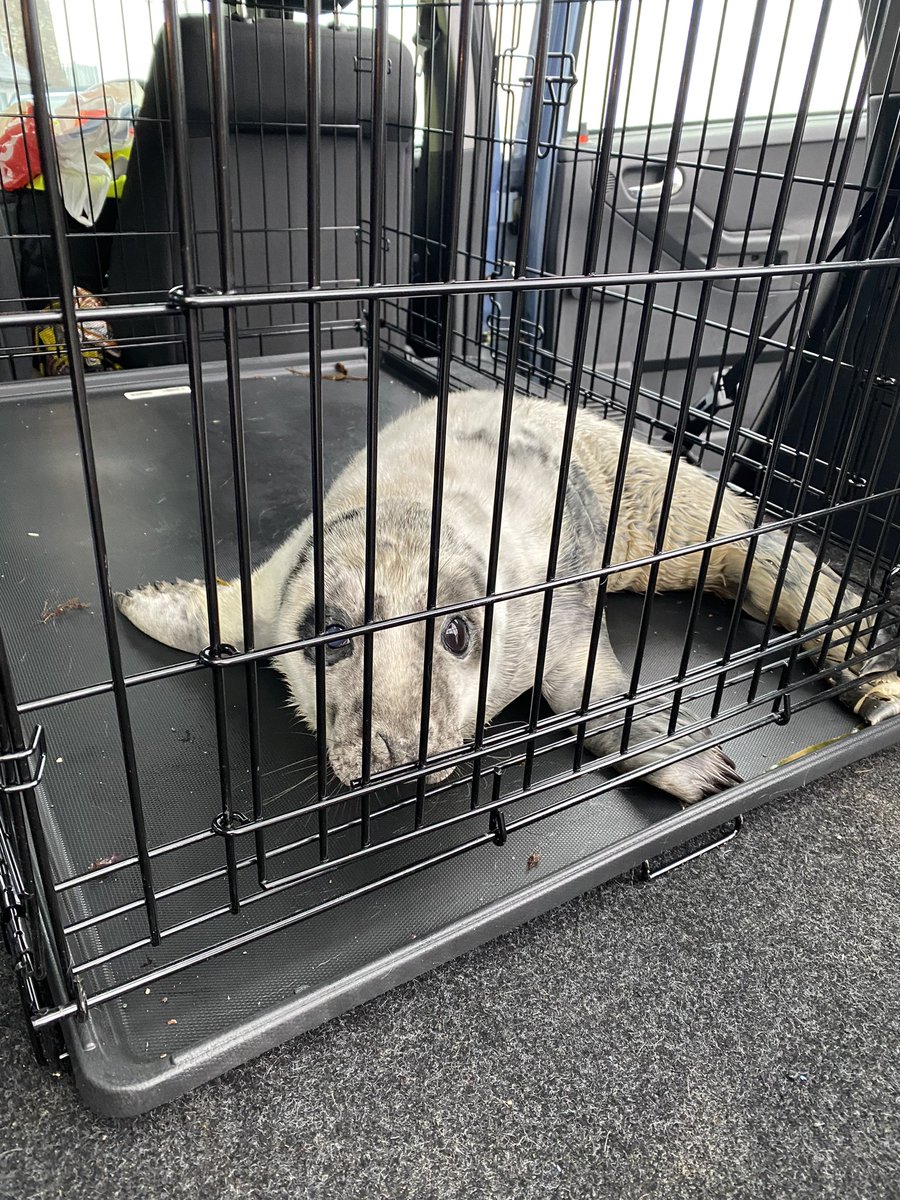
point(106, 860)
point(533, 860)
point(70, 605)
point(172, 1021)
point(808, 750)
point(339, 375)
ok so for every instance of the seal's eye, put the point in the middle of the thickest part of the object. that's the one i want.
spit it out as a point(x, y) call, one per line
point(455, 635)
point(337, 643)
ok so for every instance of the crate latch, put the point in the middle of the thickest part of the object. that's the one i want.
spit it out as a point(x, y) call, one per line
point(178, 296)
point(497, 826)
point(30, 762)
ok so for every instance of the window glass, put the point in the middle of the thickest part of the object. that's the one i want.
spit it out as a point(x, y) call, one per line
point(98, 41)
point(655, 56)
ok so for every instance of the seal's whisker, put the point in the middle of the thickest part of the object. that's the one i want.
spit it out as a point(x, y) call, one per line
point(294, 766)
point(299, 783)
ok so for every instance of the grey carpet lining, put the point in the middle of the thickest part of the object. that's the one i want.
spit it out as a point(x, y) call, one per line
point(728, 1030)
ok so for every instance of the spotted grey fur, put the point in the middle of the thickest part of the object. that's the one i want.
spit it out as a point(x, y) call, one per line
point(283, 586)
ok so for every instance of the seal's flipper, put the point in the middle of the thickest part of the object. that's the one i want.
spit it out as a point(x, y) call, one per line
point(702, 774)
point(176, 613)
point(814, 593)
point(802, 590)
point(873, 698)
point(690, 779)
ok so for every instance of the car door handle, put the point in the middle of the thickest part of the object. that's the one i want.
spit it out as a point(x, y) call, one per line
point(653, 189)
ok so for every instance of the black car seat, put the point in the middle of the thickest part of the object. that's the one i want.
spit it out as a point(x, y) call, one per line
point(16, 344)
point(268, 146)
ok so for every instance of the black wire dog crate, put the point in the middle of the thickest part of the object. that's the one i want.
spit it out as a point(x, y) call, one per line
point(290, 224)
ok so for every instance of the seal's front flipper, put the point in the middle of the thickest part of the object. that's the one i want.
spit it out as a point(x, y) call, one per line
point(176, 613)
point(690, 779)
point(701, 774)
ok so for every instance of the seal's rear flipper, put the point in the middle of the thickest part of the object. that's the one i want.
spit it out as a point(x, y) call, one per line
point(797, 590)
point(872, 698)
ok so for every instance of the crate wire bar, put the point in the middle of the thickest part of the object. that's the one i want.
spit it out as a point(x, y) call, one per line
point(329, 213)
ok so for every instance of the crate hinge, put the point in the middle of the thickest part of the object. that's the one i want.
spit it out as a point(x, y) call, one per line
point(47, 1044)
point(17, 902)
point(12, 909)
point(15, 924)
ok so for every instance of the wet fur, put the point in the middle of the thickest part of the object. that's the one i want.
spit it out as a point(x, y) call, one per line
point(283, 586)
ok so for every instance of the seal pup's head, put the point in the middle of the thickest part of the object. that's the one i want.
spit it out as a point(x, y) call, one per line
point(398, 653)
point(284, 611)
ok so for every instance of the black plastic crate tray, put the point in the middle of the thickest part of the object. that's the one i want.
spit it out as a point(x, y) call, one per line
point(360, 938)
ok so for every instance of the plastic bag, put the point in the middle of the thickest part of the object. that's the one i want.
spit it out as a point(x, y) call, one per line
point(19, 157)
point(93, 132)
point(99, 350)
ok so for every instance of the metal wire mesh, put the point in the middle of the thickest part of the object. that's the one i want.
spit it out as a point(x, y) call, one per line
point(680, 216)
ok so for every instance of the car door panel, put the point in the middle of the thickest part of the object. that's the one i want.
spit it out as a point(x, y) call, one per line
point(631, 221)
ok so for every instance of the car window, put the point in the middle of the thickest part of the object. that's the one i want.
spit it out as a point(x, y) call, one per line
point(89, 41)
point(655, 56)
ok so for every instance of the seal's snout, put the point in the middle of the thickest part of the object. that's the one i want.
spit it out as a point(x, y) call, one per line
point(390, 752)
point(396, 729)
point(398, 751)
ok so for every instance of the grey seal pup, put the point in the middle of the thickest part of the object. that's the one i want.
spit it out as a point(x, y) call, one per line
point(175, 613)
